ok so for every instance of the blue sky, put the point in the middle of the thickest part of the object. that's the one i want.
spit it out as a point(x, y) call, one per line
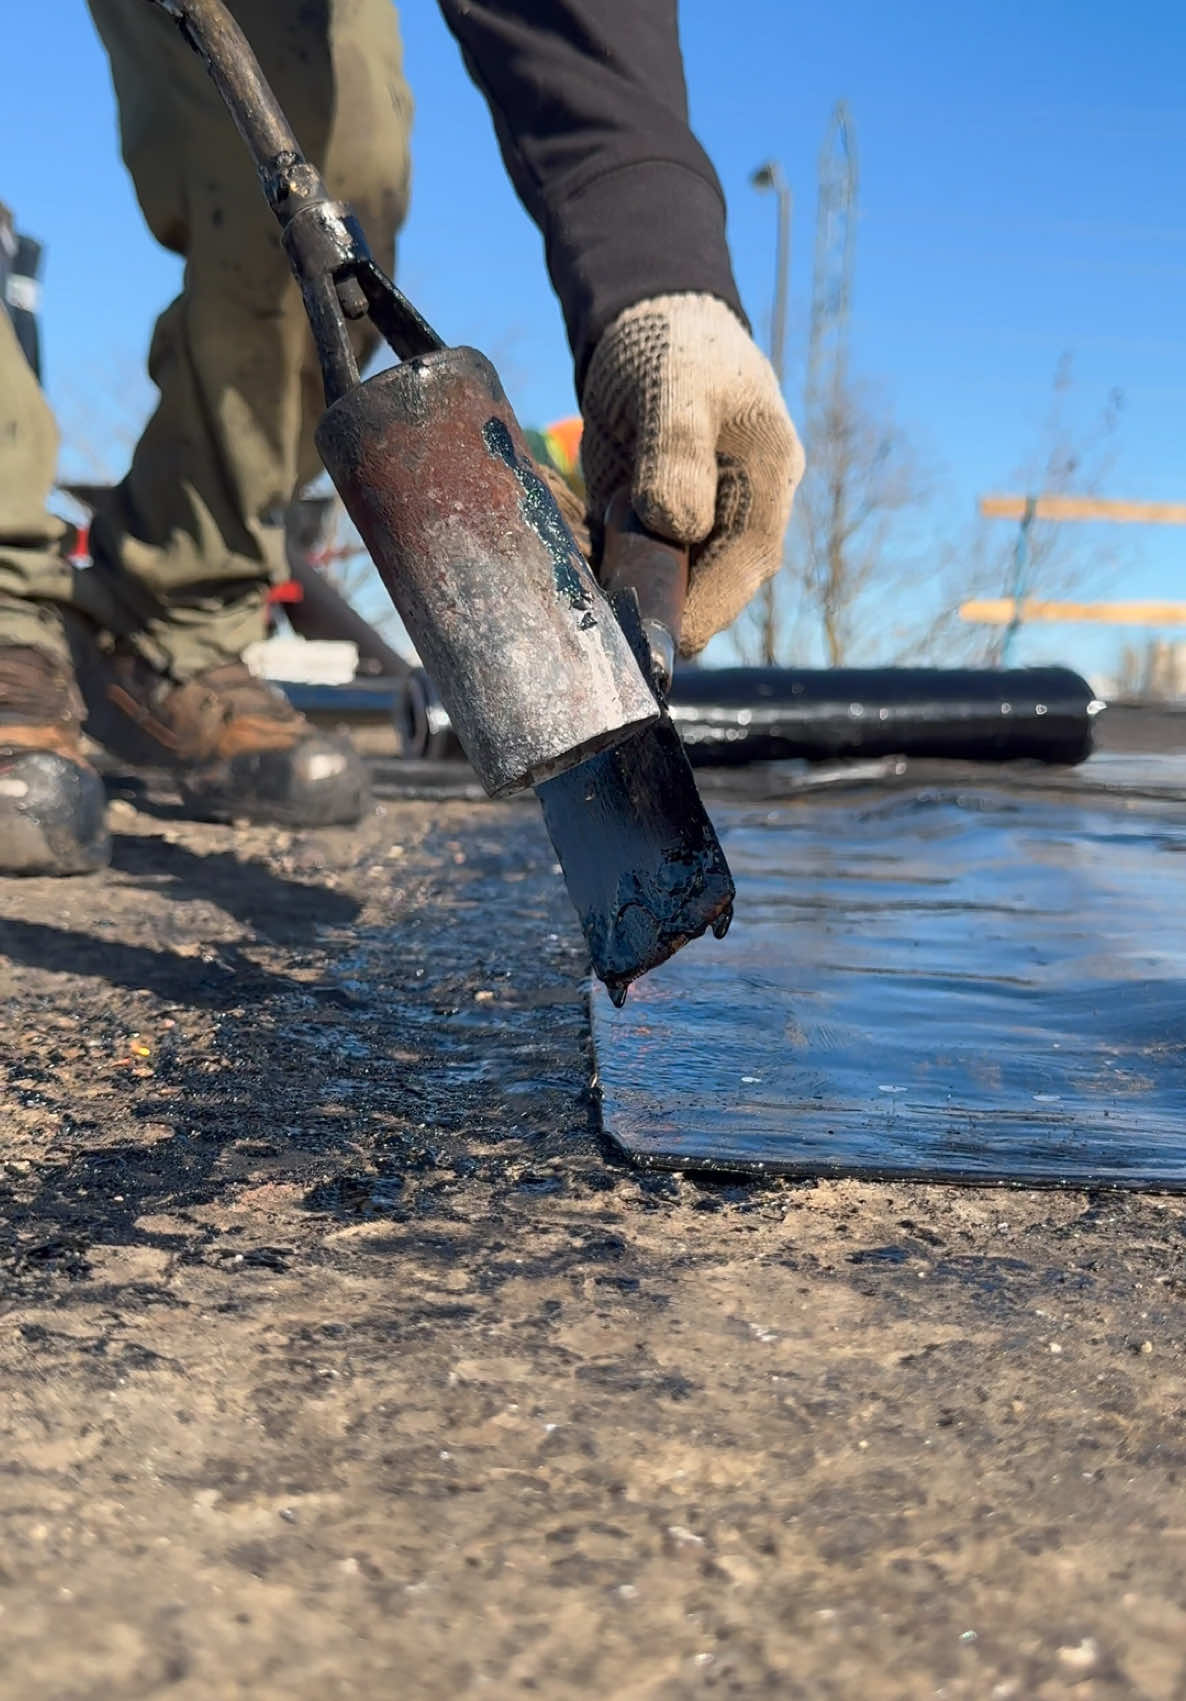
point(1021, 197)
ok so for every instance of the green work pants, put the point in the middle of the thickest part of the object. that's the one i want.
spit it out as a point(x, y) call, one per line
point(187, 544)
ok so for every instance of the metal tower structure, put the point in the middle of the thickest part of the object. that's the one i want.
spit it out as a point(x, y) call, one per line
point(835, 247)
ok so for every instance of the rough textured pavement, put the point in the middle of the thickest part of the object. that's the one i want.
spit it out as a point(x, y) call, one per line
point(337, 1359)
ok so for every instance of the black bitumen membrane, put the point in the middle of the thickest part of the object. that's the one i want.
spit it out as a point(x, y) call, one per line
point(957, 973)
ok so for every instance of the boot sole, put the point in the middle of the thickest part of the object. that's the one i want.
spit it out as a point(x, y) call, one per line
point(272, 790)
point(52, 816)
point(251, 787)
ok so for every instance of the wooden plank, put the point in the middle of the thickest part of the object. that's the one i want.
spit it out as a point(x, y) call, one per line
point(999, 611)
point(1085, 508)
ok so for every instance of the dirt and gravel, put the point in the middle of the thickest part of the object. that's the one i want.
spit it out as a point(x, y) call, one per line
point(339, 1359)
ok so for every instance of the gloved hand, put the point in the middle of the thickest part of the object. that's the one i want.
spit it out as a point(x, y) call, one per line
point(682, 409)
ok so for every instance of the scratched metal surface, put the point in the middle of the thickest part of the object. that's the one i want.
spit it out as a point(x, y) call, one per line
point(971, 976)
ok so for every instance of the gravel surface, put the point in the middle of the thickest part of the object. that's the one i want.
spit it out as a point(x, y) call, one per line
point(339, 1359)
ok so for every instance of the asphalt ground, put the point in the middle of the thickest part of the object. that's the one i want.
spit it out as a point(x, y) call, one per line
point(340, 1357)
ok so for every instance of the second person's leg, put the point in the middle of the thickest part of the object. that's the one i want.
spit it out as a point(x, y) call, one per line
point(197, 524)
point(190, 539)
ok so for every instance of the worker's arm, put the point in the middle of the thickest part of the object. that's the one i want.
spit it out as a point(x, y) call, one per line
point(680, 407)
point(591, 111)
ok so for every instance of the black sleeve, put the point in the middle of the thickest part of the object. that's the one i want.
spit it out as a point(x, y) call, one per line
point(591, 111)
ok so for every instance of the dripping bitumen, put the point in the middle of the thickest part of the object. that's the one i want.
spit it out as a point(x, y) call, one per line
point(982, 980)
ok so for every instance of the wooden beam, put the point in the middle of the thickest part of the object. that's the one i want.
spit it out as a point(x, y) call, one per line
point(1085, 508)
point(999, 611)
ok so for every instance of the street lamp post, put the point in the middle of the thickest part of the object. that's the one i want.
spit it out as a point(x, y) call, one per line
point(770, 176)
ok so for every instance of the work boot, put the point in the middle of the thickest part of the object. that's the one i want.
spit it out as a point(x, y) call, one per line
point(237, 746)
point(52, 805)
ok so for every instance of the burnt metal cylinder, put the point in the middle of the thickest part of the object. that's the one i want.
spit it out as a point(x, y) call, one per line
point(530, 663)
point(761, 714)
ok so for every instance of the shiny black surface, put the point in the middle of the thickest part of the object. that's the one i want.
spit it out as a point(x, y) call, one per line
point(642, 862)
point(737, 715)
point(979, 978)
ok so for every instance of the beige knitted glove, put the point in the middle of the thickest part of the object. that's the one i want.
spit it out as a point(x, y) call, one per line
point(683, 409)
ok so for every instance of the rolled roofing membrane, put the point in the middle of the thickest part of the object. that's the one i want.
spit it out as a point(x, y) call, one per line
point(966, 975)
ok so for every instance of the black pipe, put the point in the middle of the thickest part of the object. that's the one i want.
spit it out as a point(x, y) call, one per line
point(423, 722)
point(731, 716)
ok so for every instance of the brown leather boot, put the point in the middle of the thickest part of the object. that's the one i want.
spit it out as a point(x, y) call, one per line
point(52, 805)
point(238, 747)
